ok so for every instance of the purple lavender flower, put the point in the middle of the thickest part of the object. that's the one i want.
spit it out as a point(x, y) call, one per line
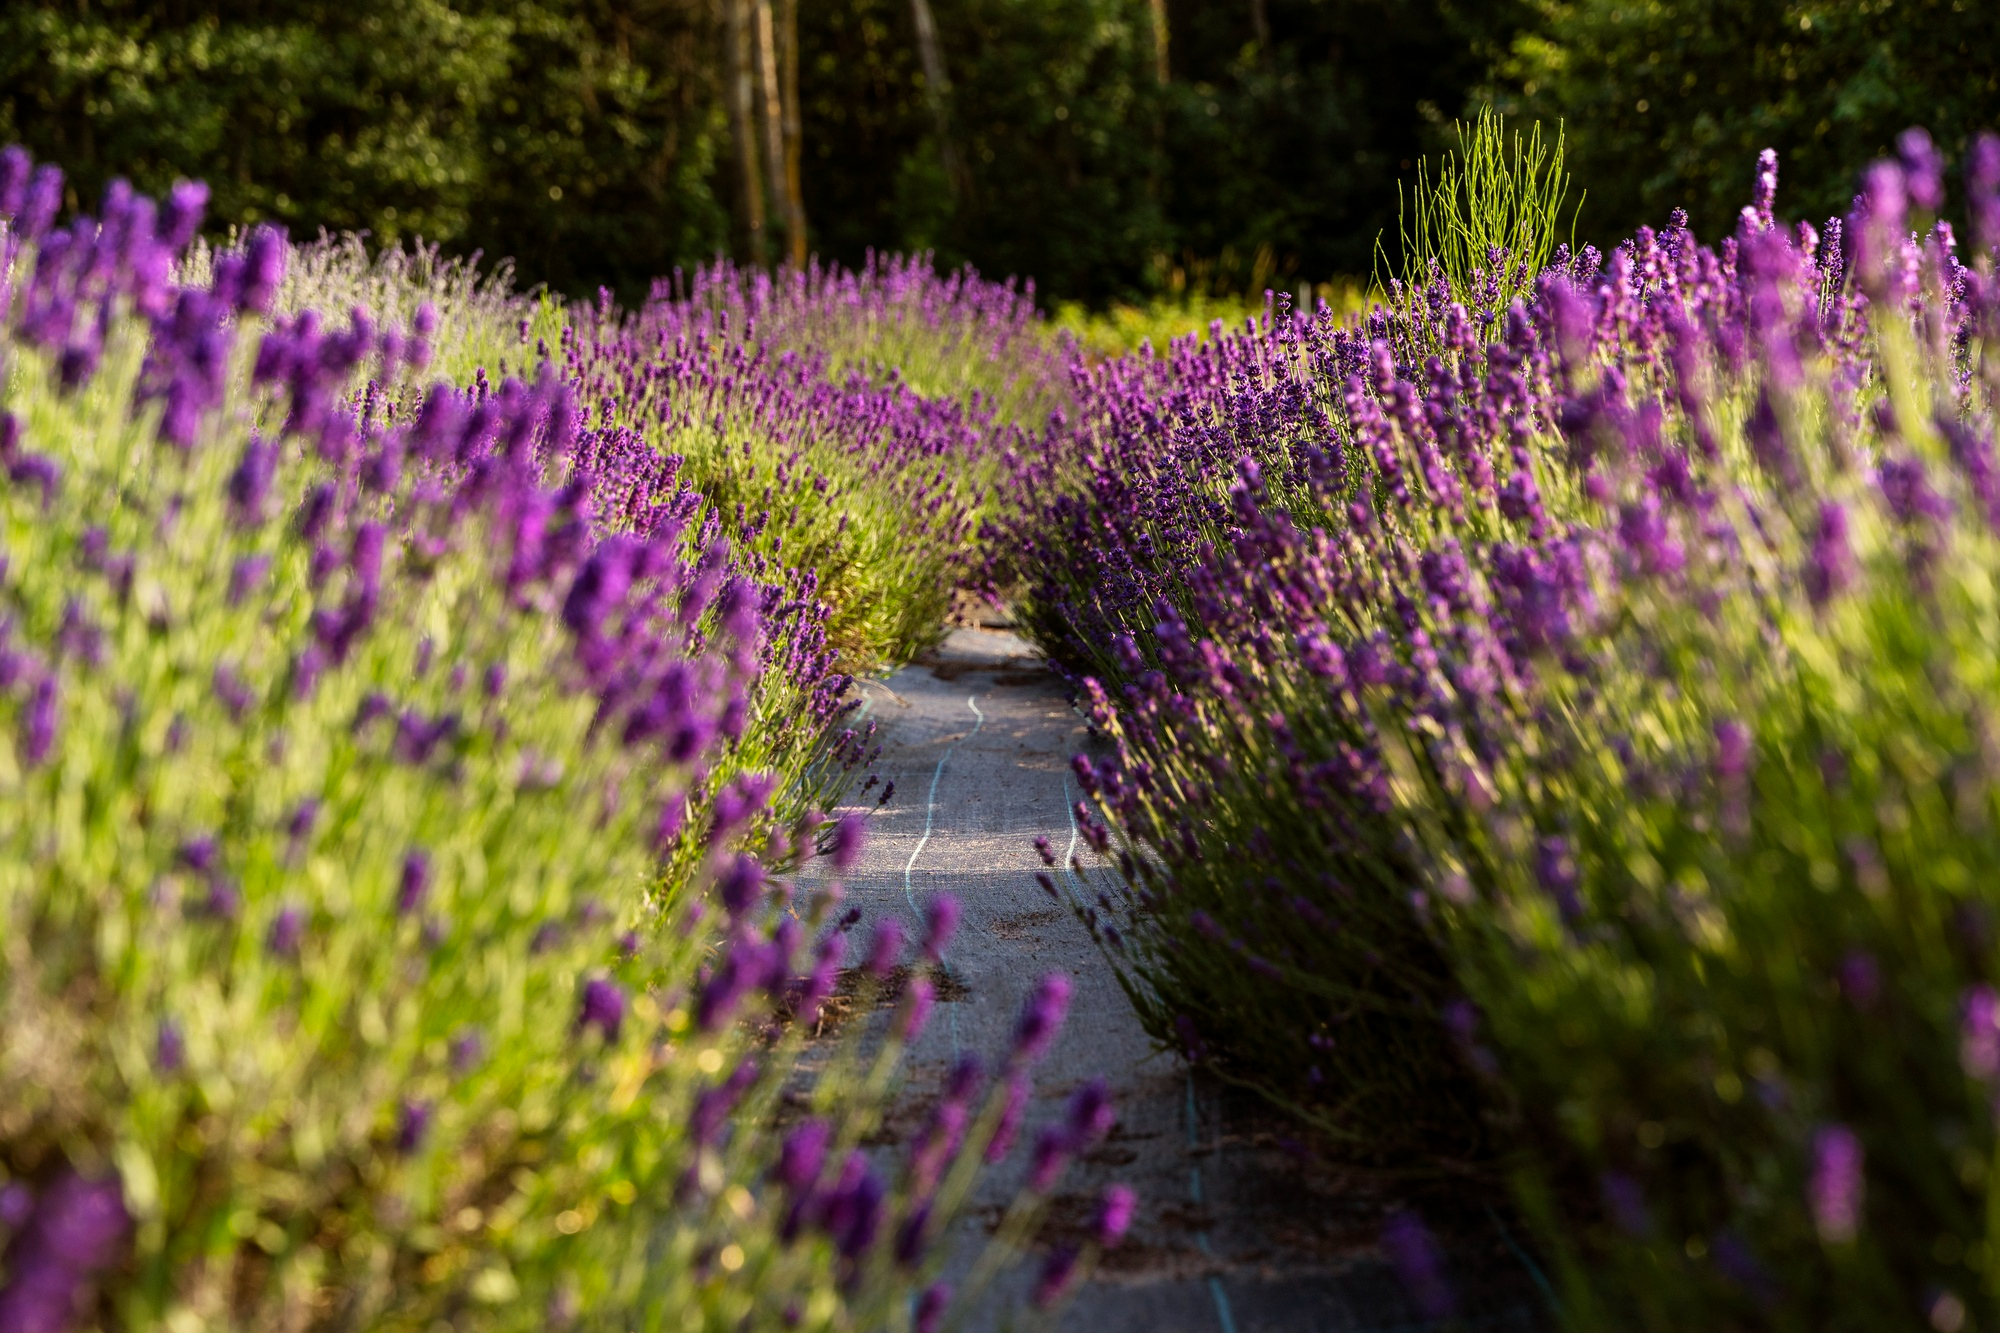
point(40, 722)
point(415, 883)
point(738, 803)
point(1090, 1115)
point(250, 483)
point(1861, 981)
point(1009, 1126)
point(264, 269)
point(852, 1212)
point(287, 932)
point(1414, 1254)
point(467, 1046)
point(180, 219)
point(843, 847)
point(885, 947)
point(1979, 1034)
point(913, 1236)
point(915, 1010)
point(1041, 1019)
point(741, 883)
point(941, 916)
point(1048, 1158)
point(1115, 1213)
point(169, 1047)
point(76, 1230)
point(1982, 188)
point(1831, 569)
point(38, 208)
point(1555, 868)
point(1837, 1189)
point(16, 166)
point(1923, 169)
point(931, 1307)
point(413, 1122)
point(1058, 1269)
point(602, 1007)
point(1625, 1203)
point(802, 1156)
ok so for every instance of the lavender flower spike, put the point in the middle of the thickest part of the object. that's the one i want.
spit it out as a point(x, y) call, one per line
point(1837, 1188)
point(1413, 1252)
point(603, 1007)
point(1041, 1019)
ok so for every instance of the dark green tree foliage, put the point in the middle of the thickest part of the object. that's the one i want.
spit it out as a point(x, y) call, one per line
point(1257, 159)
point(1669, 101)
point(579, 135)
point(347, 115)
point(587, 138)
point(1295, 143)
point(1053, 111)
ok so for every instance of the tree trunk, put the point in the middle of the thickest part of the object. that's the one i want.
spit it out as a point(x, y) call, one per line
point(1260, 28)
point(795, 191)
point(937, 91)
point(1161, 69)
point(773, 107)
point(743, 124)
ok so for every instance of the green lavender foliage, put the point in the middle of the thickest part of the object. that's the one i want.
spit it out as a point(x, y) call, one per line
point(255, 1102)
point(1775, 948)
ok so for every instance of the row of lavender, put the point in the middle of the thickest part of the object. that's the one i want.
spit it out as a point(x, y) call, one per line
point(1571, 757)
point(400, 778)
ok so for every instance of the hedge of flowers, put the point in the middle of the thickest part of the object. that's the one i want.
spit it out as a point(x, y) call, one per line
point(396, 779)
point(1571, 757)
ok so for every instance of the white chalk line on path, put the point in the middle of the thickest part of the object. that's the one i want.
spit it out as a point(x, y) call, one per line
point(1223, 1314)
point(930, 815)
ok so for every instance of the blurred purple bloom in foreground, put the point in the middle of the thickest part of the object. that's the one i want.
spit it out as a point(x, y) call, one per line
point(75, 1230)
point(1837, 1189)
point(1114, 1214)
point(603, 1007)
point(1413, 1252)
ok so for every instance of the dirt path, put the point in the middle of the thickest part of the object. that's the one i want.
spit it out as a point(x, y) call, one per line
point(1235, 1232)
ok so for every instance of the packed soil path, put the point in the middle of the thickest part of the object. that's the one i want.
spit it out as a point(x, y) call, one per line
point(1237, 1230)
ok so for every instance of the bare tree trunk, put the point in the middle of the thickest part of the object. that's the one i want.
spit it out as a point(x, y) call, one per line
point(743, 124)
point(937, 90)
point(1260, 28)
point(795, 190)
point(1161, 69)
point(773, 108)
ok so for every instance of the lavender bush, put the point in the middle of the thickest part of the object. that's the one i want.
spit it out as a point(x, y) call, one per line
point(1572, 751)
point(394, 776)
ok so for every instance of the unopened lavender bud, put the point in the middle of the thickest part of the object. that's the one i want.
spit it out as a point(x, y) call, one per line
point(415, 883)
point(413, 1122)
point(1837, 1188)
point(940, 924)
point(843, 845)
point(1413, 1253)
point(602, 1007)
point(169, 1048)
point(1041, 1018)
point(1114, 1215)
point(466, 1048)
point(1057, 1272)
point(886, 947)
point(931, 1307)
point(916, 1009)
point(287, 932)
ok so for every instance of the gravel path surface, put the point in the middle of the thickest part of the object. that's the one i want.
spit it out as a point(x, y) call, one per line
point(1236, 1232)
